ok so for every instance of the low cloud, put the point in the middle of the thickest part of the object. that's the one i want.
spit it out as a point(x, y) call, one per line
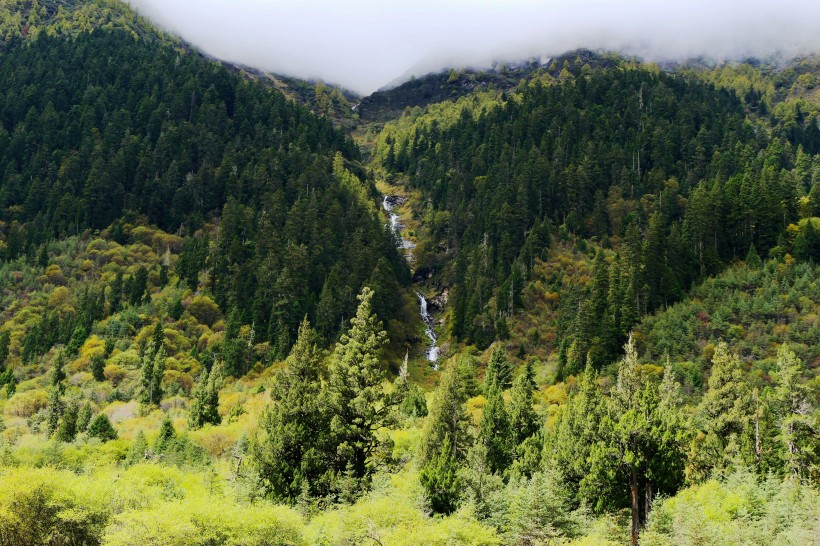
point(364, 44)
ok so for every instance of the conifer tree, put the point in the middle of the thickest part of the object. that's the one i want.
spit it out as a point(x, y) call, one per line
point(292, 455)
point(54, 410)
point(153, 371)
point(102, 428)
point(137, 450)
point(499, 369)
point(166, 437)
point(495, 432)
point(67, 429)
point(523, 419)
point(448, 416)
point(440, 479)
point(84, 417)
point(5, 342)
point(98, 367)
point(798, 427)
point(205, 404)
point(355, 396)
point(725, 416)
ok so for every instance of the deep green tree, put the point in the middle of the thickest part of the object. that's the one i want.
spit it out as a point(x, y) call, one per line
point(292, 456)
point(794, 408)
point(153, 371)
point(499, 369)
point(355, 396)
point(523, 418)
point(97, 367)
point(67, 429)
point(205, 404)
point(495, 432)
point(440, 479)
point(725, 417)
point(101, 428)
point(166, 438)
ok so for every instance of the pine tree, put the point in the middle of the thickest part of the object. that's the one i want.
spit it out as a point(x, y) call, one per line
point(292, 455)
point(523, 419)
point(84, 417)
point(440, 479)
point(798, 427)
point(54, 410)
point(166, 437)
point(153, 371)
point(205, 404)
point(102, 428)
point(138, 450)
point(499, 369)
point(448, 415)
point(5, 342)
point(98, 367)
point(753, 259)
point(58, 373)
point(67, 429)
point(354, 395)
point(725, 414)
point(495, 432)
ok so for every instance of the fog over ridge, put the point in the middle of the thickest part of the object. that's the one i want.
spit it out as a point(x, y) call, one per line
point(364, 44)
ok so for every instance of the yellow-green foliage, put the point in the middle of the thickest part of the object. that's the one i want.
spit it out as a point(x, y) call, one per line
point(146, 504)
point(394, 513)
point(740, 510)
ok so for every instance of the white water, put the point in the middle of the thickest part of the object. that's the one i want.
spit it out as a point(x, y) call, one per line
point(426, 317)
point(432, 351)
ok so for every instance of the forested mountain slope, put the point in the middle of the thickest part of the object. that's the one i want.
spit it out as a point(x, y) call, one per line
point(667, 170)
point(104, 124)
point(203, 311)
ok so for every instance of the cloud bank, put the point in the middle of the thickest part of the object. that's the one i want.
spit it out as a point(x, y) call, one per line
point(364, 44)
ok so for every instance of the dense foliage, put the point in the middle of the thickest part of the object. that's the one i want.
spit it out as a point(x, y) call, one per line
point(105, 125)
point(180, 248)
point(667, 168)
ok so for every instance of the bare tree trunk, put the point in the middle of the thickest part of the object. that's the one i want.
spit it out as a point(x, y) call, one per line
point(635, 522)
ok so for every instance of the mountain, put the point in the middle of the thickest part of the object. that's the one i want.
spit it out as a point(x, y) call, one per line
point(569, 300)
point(391, 102)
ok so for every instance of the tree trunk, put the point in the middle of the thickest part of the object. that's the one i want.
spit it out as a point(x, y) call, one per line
point(647, 507)
point(635, 522)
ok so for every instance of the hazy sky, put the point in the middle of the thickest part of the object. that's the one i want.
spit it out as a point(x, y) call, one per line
point(365, 44)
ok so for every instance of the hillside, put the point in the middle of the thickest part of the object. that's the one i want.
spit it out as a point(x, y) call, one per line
point(388, 104)
point(569, 301)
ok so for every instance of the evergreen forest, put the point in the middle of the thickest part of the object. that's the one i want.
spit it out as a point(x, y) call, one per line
point(572, 302)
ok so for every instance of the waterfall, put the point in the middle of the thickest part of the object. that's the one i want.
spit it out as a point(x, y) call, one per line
point(429, 323)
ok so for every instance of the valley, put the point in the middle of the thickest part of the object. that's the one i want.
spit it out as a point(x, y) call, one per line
point(571, 300)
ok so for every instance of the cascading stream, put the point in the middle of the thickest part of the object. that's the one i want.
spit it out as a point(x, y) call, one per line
point(429, 323)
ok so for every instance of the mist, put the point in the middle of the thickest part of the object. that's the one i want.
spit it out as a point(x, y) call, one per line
point(363, 45)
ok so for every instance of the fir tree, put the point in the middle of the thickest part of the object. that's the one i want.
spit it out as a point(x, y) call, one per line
point(84, 417)
point(355, 395)
point(495, 432)
point(153, 371)
point(5, 342)
point(67, 429)
point(205, 404)
point(292, 455)
point(98, 367)
point(138, 450)
point(725, 416)
point(440, 479)
point(166, 437)
point(523, 419)
point(102, 428)
point(499, 369)
point(54, 410)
